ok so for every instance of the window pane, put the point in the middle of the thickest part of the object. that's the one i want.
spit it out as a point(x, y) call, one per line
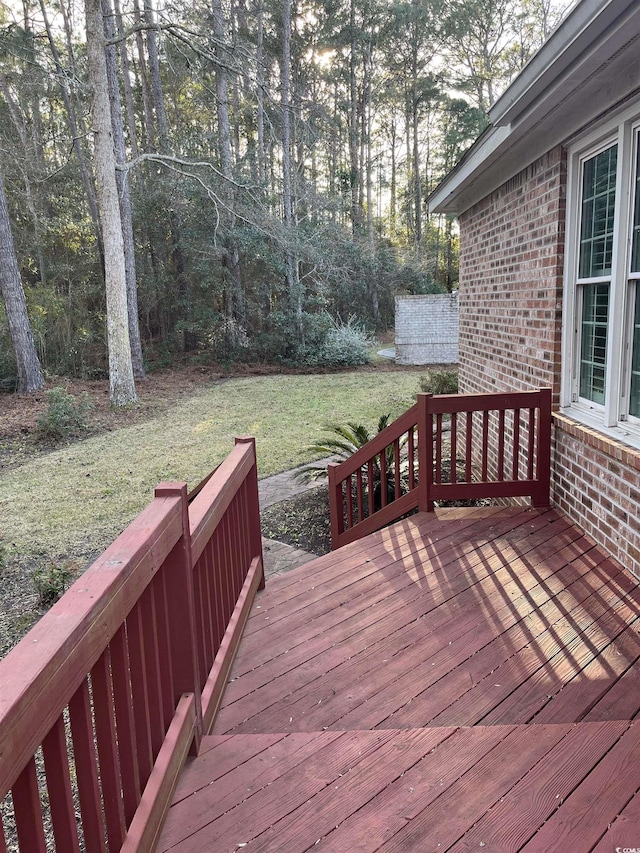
point(598, 206)
point(593, 350)
point(635, 245)
point(634, 396)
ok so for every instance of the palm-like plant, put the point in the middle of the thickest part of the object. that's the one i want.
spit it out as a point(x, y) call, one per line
point(341, 442)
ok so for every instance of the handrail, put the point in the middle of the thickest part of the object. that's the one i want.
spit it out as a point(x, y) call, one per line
point(499, 446)
point(385, 481)
point(102, 700)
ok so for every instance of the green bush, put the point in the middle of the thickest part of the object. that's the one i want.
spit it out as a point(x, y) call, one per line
point(440, 382)
point(346, 345)
point(52, 581)
point(64, 416)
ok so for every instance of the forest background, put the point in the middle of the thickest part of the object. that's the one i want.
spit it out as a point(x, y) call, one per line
point(232, 181)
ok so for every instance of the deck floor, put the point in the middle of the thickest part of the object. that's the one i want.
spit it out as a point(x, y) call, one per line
point(460, 680)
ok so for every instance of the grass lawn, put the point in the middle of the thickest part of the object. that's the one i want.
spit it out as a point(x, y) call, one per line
point(73, 501)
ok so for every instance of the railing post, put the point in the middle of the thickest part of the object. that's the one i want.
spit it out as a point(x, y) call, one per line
point(183, 640)
point(336, 514)
point(425, 453)
point(541, 495)
point(254, 506)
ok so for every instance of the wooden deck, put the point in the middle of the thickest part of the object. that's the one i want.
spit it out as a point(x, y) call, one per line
point(462, 680)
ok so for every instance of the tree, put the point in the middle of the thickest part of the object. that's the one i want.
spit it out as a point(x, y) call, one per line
point(30, 376)
point(122, 391)
point(124, 195)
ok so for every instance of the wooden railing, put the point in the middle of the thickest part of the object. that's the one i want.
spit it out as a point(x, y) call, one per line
point(447, 447)
point(104, 698)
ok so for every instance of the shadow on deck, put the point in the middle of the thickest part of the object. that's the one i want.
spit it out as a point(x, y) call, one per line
point(461, 680)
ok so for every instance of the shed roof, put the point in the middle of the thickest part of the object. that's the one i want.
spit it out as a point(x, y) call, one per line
point(590, 63)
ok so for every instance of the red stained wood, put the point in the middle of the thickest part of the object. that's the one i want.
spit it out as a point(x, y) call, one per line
point(624, 829)
point(105, 731)
point(464, 485)
point(56, 762)
point(125, 723)
point(336, 802)
point(210, 505)
point(217, 678)
point(596, 802)
point(261, 764)
point(146, 825)
point(388, 812)
point(72, 635)
point(86, 769)
point(394, 641)
point(539, 793)
point(26, 805)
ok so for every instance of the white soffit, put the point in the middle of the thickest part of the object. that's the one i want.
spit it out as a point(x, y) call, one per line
point(590, 63)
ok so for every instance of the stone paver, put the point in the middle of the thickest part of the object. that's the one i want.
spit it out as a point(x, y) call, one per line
point(281, 487)
point(278, 556)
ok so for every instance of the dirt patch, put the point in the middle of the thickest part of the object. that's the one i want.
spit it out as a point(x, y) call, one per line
point(19, 413)
point(302, 521)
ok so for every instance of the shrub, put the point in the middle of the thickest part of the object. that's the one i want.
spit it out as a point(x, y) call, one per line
point(53, 580)
point(346, 345)
point(64, 415)
point(440, 382)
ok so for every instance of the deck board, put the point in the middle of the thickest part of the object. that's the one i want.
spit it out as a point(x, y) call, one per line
point(459, 679)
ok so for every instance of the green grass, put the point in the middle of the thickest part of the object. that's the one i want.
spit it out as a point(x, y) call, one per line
point(74, 501)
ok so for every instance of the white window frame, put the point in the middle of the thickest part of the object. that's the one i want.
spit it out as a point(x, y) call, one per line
point(613, 417)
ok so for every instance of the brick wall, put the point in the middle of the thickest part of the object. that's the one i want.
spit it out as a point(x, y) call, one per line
point(511, 266)
point(511, 261)
point(426, 329)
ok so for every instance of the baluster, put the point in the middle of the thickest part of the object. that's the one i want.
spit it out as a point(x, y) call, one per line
point(160, 607)
point(105, 730)
point(454, 449)
point(383, 477)
point(370, 486)
point(485, 446)
point(411, 458)
point(360, 501)
point(516, 445)
point(469, 447)
point(84, 755)
point(349, 501)
point(215, 570)
point(396, 459)
point(501, 432)
point(28, 810)
point(152, 666)
point(531, 451)
point(56, 763)
point(135, 636)
point(125, 725)
point(438, 475)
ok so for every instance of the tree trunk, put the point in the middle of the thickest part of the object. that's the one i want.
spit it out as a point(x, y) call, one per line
point(260, 95)
point(87, 182)
point(29, 373)
point(21, 130)
point(149, 135)
point(124, 195)
point(121, 380)
point(356, 218)
point(126, 82)
point(292, 273)
point(233, 298)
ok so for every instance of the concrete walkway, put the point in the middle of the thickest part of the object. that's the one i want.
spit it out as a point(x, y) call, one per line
point(278, 556)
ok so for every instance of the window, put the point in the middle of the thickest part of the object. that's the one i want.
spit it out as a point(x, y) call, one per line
point(601, 336)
